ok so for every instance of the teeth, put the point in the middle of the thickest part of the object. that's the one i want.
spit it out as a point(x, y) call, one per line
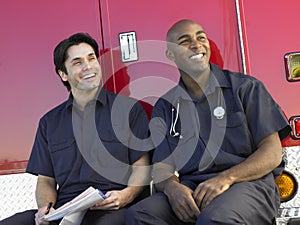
point(198, 56)
point(89, 76)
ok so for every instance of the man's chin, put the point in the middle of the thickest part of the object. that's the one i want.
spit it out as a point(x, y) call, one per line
point(197, 70)
point(88, 88)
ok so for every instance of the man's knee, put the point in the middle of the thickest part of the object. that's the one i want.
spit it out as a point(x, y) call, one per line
point(205, 217)
point(132, 213)
point(24, 218)
point(154, 208)
point(219, 217)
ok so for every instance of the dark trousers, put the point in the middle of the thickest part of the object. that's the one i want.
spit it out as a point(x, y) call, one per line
point(251, 203)
point(22, 218)
point(96, 217)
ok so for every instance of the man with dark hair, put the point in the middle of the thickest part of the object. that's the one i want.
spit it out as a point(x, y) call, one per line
point(221, 132)
point(95, 138)
point(60, 52)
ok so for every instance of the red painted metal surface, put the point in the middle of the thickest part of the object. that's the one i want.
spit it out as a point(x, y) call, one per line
point(29, 86)
point(153, 74)
point(13, 167)
point(272, 31)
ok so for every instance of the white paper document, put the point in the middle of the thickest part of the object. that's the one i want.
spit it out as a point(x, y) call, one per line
point(76, 208)
point(74, 218)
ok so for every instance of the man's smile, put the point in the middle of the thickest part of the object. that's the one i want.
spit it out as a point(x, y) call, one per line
point(88, 76)
point(197, 57)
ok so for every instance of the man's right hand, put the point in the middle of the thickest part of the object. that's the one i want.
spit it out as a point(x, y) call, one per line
point(182, 201)
point(40, 213)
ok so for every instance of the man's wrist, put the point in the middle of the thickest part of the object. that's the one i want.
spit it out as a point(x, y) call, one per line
point(169, 184)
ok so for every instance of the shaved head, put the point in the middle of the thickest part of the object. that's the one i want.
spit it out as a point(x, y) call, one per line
point(188, 46)
point(178, 26)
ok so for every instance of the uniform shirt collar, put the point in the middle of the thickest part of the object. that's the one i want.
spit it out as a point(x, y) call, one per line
point(217, 80)
point(100, 97)
point(219, 76)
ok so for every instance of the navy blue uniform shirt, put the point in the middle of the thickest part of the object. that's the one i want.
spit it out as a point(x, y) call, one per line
point(204, 144)
point(94, 147)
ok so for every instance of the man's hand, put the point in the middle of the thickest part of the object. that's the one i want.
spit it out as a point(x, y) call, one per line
point(115, 200)
point(45, 192)
point(40, 213)
point(182, 202)
point(209, 189)
point(258, 164)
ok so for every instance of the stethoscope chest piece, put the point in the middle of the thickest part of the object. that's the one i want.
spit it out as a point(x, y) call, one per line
point(219, 112)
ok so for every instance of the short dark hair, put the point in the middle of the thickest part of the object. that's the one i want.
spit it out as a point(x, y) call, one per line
point(60, 51)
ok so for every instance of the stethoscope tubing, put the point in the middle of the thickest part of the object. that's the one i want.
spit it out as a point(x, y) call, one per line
point(218, 112)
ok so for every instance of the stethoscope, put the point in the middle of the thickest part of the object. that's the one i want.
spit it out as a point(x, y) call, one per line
point(218, 112)
point(173, 131)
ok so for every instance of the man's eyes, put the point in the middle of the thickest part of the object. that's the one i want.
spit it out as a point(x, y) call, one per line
point(184, 42)
point(76, 62)
point(188, 41)
point(79, 62)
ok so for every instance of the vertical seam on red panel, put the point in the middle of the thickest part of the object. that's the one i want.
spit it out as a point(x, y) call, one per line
point(102, 39)
point(243, 36)
point(110, 45)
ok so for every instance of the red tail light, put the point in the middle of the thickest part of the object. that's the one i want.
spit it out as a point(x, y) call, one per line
point(295, 124)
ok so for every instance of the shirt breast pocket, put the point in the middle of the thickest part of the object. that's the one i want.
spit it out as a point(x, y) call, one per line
point(115, 147)
point(63, 154)
point(232, 120)
point(236, 134)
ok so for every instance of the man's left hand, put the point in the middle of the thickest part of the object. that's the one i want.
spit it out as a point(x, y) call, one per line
point(114, 201)
point(209, 189)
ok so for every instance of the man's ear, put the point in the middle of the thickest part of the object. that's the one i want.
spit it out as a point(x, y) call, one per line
point(170, 55)
point(62, 75)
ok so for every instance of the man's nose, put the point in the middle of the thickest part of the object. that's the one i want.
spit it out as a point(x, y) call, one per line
point(195, 43)
point(86, 65)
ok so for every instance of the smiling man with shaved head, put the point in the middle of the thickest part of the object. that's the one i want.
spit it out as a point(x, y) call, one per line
point(217, 143)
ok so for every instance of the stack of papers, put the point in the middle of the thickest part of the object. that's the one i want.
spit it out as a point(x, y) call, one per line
point(81, 203)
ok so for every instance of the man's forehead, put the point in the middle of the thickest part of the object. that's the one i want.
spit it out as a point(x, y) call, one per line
point(183, 28)
point(82, 49)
